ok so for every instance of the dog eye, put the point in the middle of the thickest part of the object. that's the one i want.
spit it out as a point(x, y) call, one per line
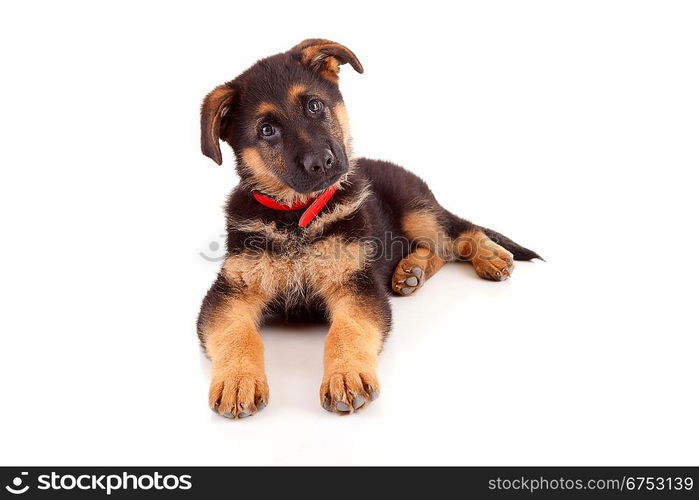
point(315, 106)
point(267, 130)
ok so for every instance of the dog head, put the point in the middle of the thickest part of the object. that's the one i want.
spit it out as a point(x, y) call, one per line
point(285, 120)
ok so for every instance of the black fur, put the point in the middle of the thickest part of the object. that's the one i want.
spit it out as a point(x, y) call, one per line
point(394, 191)
point(519, 252)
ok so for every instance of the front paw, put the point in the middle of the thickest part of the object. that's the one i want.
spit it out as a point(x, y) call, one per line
point(238, 395)
point(347, 391)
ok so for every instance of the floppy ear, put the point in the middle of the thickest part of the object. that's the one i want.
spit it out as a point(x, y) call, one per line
point(325, 57)
point(214, 108)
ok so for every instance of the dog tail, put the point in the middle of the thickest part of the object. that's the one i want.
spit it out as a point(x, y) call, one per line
point(518, 251)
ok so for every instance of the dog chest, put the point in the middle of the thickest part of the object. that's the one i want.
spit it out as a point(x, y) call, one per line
point(324, 264)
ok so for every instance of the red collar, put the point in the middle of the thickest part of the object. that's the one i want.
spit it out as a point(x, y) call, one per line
point(315, 205)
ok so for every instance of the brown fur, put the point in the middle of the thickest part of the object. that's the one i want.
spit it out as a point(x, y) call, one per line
point(327, 266)
point(265, 108)
point(273, 233)
point(295, 91)
point(287, 124)
point(490, 260)
point(238, 381)
point(262, 174)
point(351, 354)
point(339, 212)
point(325, 57)
point(342, 117)
point(424, 259)
point(215, 105)
point(423, 229)
point(354, 339)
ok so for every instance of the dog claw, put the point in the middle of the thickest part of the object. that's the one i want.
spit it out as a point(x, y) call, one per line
point(346, 392)
point(227, 414)
point(406, 285)
point(244, 414)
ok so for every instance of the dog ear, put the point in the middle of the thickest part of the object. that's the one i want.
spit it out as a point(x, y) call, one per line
point(213, 110)
point(325, 57)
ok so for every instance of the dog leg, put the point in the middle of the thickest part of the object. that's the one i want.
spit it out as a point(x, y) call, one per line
point(412, 272)
point(238, 382)
point(358, 326)
point(490, 260)
point(228, 330)
point(449, 237)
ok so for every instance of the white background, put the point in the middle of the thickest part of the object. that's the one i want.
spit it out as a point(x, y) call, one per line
point(571, 127)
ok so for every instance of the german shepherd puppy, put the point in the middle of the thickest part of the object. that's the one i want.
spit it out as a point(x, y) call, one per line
point(314, 231)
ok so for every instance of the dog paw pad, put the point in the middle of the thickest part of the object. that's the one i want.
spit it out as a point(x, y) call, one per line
point(407, 278)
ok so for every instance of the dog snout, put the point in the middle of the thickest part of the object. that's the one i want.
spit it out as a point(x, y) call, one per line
point(318, 162)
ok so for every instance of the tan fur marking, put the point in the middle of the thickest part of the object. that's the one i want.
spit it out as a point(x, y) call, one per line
point(331, 70)
point(343, 119)
point(430, 261)
point(214, 107)
point(490, 260)
point(265, 108)
point(333, 264)
point(351, 354)
point(328, 66)
point(314, 57)
point(268, 229)
point(422, 228)
point(295, 91)
point(325, 266)
point(325, 57)
point(264, 179)
point(238, 381)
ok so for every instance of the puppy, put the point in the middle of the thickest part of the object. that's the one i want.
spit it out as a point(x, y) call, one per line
point(314, 231)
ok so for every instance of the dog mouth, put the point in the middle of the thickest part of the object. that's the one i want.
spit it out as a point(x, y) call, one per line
point(313, 186)
point(326, 183)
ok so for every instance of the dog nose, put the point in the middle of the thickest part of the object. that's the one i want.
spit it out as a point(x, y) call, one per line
point(318, 162)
